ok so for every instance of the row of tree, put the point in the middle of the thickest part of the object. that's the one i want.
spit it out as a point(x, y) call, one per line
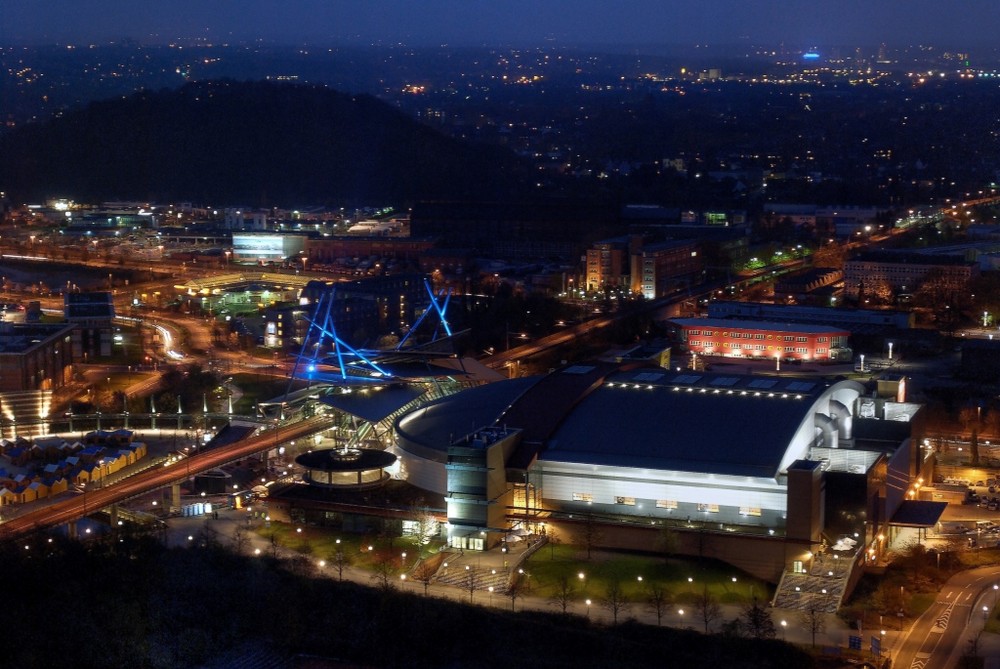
point(137, 603)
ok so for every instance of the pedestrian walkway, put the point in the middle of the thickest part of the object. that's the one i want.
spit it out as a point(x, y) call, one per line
point(452, 582)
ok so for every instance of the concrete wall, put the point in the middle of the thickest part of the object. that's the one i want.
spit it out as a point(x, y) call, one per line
point(763, 556)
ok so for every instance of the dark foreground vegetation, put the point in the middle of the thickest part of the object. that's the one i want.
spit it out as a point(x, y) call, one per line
point(130, 602)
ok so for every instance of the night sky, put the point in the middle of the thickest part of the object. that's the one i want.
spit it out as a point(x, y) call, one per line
point(512, 22)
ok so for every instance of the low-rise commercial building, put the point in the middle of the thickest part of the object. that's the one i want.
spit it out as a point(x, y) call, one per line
point(762, 339)
point(904, 272)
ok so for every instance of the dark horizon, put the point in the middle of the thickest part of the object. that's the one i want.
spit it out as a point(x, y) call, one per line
point(641, 24)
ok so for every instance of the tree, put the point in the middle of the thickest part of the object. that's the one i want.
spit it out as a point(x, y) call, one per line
point(890, 598)
point(423, 573)
point(565, 587)
point(384, 572)
point(340, 560)
point(240, 539)
point(879, 291)
point(757, 621)
point(274, 544)
point(207, 536)
point(471, 580)
point(707, 608)
point(592, 533)
point(658, 601)
point(517, 588)
point(615, 600)
point(426, 525)
point(814, 622)
point(829, 255)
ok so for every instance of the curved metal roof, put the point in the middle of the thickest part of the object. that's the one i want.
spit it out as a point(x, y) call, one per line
point(439, 423)
point(649, 417)
point(734, 425)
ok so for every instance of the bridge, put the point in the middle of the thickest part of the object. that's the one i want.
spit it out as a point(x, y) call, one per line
point(73, 508)
point(228, 280)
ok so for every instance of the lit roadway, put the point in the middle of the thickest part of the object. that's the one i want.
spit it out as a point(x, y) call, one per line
point(74, 508)
point(939, 637)
point(660, 307)
point(503, 358)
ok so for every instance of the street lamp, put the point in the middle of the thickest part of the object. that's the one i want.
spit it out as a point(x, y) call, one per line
point(890, 350)
point(588, 608)
point(784, 627)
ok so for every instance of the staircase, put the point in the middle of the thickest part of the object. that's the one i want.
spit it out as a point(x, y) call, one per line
point(821, 588)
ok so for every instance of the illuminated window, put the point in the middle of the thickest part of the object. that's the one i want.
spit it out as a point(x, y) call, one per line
point(627, 501)
point(749, 511)
point(583, 497)
point(666, 504)
point(709, 508)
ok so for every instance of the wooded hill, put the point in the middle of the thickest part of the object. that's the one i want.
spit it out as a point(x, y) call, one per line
point(250, 144)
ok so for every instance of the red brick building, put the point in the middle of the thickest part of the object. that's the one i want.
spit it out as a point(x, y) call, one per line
point(760, 339)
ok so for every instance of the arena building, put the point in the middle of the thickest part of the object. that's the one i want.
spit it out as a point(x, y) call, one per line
point(742, 466)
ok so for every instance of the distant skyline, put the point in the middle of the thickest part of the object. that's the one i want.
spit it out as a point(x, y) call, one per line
point(796, 23)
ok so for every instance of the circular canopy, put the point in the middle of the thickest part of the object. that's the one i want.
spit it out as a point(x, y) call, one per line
point(345, 460)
